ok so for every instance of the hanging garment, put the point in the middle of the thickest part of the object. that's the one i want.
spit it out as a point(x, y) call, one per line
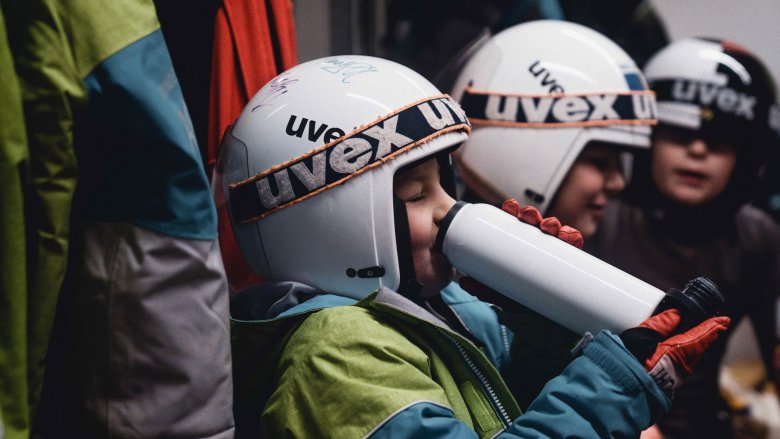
point(144, 296)
point(253, 42)
point(15, 406)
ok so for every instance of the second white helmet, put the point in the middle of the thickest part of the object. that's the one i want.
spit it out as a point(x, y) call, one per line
point(537, 94)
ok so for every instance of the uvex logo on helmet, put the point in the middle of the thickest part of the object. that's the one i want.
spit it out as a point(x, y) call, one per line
point(559, 110)
point(759, 112)
point(725, 99)
point(332, 164)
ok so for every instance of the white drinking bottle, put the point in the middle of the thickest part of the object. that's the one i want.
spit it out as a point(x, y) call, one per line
point(556, 279)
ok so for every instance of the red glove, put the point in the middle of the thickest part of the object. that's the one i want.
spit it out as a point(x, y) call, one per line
point(670, 359)
point(550, 225)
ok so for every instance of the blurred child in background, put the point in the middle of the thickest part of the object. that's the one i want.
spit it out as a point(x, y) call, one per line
point(685, 212)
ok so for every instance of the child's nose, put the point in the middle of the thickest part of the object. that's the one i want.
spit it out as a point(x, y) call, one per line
point(443, 205)
point(697, 147)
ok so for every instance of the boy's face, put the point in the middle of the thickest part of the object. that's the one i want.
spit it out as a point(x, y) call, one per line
point(427, 203)
point(688, 170)
point(592, 180)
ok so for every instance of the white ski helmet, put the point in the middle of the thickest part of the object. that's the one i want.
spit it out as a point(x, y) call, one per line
point(537, 94)
point(307, 170)
point(721, 91)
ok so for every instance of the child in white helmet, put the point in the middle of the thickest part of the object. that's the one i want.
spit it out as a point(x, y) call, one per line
point(686, 210)
point(553, 121)
point(335, 179)
point(546, 113)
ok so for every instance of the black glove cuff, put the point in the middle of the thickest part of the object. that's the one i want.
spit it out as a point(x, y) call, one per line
point(641, 342)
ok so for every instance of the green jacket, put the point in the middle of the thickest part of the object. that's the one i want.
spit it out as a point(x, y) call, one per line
point(387, 367)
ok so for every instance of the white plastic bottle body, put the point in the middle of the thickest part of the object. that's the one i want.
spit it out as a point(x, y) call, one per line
point(555, 279)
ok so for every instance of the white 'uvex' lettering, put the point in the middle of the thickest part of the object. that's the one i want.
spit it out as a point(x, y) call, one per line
point(745, 106)
point(536, 113)
point(493, 109)
point(267, 198)
point(603, 107)
point(707, 93)
point(350, 155)
point(644, 106)
point(314, 178)
point(387, 136)
point(437, 122)
point(566, 108)
point(726, 99)
point(570, 109)
point(682, 93)
point(455, 109)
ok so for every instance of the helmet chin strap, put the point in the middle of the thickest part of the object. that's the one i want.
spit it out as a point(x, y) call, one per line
point(408, 286)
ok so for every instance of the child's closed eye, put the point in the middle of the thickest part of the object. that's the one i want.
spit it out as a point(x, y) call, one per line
point(415, 198)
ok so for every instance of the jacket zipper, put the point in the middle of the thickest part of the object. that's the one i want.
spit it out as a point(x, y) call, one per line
point(505, 339)
point(497, 405)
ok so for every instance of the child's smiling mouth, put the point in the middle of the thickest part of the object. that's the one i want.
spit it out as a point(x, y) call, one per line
point(692, 178)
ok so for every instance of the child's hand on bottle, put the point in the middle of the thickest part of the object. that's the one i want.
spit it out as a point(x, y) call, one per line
point(550, 225)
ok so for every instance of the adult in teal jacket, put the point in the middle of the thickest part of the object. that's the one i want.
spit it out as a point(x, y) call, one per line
point(336, 186)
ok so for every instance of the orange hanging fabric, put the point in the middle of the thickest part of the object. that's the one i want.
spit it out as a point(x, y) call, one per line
point(253, 42)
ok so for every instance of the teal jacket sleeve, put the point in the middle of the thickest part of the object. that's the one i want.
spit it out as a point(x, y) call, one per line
point(604, 393)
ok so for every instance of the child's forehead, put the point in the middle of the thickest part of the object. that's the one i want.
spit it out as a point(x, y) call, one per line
point(419, 170)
